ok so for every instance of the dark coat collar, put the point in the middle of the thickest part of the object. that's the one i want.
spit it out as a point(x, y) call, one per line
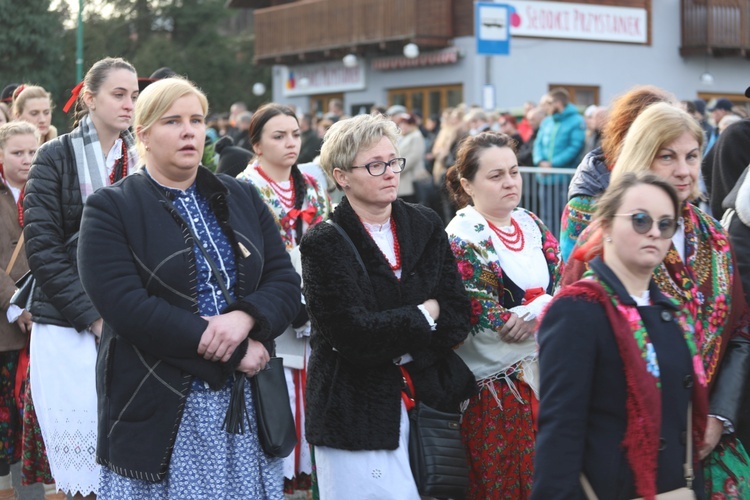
point(413, 228)
point(607, 275)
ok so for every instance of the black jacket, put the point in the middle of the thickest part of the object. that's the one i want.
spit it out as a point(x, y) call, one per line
point(582, 414)
point(724, 163)
point(52, 214)
point(591, 177)
point(140, 274)
point(360, 324)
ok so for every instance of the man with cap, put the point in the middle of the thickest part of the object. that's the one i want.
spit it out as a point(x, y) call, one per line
point(720, 109)
point(724, 162)
point(394, 110)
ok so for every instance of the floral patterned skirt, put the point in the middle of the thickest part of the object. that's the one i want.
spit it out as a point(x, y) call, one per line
point(726, 470)
point(35, 467)
point(500, 441)
point(10, 417)
point(207, 462)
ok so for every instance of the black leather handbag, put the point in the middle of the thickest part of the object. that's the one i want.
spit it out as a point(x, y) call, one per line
point(436, 453)
point(24, 290)
point(276, 430)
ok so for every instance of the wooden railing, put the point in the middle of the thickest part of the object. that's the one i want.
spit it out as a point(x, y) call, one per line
point(718, 27)
point(301, 29)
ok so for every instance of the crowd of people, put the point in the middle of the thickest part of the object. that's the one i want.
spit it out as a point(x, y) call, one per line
point(386, 258)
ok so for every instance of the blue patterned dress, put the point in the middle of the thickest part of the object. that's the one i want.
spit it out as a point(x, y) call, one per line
point(207, 461)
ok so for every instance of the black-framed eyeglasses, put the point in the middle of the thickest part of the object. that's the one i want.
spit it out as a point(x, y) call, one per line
point(642, 224)
point(377, 168)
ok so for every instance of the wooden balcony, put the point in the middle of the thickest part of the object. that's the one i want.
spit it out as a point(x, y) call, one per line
point(715, 27)
point(312, 30)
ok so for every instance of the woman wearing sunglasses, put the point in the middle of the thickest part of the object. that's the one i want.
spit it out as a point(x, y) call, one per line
point(385, 308)
point(699, 270)
point(620, 363)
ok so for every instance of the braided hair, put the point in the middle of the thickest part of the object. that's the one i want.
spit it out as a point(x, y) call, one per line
point(258, 121)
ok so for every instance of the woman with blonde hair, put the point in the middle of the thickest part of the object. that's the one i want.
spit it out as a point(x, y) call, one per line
point(592, 175)
point(699, 269)
point(387, 311)
point(33, 104)
point(98, 152)
point(193, 283)
point(18, 143)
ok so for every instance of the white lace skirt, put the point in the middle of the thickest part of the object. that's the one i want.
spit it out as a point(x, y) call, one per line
point(63, 386)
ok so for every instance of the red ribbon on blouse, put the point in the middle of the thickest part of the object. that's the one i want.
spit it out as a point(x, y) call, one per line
point(308, 215)
point(532, 294)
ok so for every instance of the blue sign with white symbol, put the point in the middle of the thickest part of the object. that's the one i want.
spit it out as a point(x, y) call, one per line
point(492, 28)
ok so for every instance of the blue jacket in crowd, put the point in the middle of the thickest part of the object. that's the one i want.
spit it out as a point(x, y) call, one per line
point(560, 138)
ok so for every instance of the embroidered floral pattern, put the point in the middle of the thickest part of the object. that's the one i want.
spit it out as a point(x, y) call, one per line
point(702, 283)
point(315, 197)
point(642, 340)
point(482, 276)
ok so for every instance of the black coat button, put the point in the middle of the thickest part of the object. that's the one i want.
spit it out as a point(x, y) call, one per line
point(662, 444)
point(666, 316)
point(688, 381)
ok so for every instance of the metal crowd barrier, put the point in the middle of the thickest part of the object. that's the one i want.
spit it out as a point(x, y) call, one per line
point(545, 193)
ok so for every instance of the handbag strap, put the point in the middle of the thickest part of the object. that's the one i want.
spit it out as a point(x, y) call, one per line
point(351, 244)
point(13, 257)
point(687, 466)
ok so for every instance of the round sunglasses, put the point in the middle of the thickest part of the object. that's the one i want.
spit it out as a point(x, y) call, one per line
point(642, 224)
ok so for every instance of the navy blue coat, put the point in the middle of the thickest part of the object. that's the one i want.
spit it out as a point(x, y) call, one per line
point(140, 274)
point(582, 414)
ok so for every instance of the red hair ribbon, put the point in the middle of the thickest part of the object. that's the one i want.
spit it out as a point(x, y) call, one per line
point(18, 91)
point(73, 97)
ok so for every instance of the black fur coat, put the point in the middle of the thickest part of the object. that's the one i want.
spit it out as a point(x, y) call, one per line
point(362, 322)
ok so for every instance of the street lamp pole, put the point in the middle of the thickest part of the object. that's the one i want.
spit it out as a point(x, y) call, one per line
point(79, 43)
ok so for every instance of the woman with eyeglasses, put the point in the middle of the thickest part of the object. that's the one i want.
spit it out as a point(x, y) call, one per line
point(699, 268)
point(510, 265)
point(386, 307)
point(620, 363)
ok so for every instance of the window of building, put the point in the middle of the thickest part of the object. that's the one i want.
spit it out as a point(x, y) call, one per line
point(580, 95)
point(428, 100)
point(319, 103)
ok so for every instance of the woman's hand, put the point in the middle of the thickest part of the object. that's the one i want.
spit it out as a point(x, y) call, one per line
point(96, 328)
point(433, 308)
point(516, 329)
point(24, 322)
point(223, 334)
point(714, 430)
point(255, 358)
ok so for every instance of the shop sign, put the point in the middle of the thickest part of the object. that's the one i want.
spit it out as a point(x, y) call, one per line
point(435, 58)
point(322, 78)
point(578, 21)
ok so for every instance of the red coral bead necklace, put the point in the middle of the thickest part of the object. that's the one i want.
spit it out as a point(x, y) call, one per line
point(396, 245)
point(287, 196)
point(121, 166)
point(514, 239)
